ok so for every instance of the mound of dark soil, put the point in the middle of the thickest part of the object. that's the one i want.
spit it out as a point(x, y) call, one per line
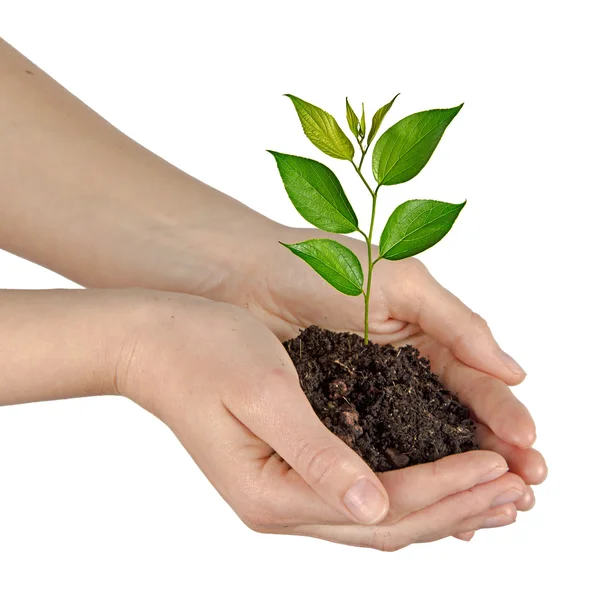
point(384, 402)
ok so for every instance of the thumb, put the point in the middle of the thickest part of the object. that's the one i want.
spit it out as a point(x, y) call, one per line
point(282, 417)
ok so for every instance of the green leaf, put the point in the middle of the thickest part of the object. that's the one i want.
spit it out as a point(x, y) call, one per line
point(334, 262)
point(323, 130)
point(378, 119)
point(404, 149)
point(415, 226)
point(316, 193)
point(352, 119)
point(363, 129)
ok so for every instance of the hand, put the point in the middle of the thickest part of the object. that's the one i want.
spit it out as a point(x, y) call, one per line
point(407, 306)
point(226, 387)
point(157, 227)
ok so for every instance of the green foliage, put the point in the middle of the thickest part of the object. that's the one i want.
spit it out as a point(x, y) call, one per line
point(404, 149)
point(352, 119)
point(415, 226)
point(362, 124)
point(398, 156)
point(323, 130)
point(316, 193)
point(378, 119)
point(333, 261)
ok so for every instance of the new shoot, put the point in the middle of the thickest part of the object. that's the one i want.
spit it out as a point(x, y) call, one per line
point(399, 155)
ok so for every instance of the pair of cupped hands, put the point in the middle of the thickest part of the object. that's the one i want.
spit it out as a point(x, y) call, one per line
point(216, 373)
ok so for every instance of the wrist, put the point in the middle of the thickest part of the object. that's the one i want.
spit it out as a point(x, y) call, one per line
point(180, 236)
point(83, 199)
point(163, 330)
point(61, 343)
point(209, 247)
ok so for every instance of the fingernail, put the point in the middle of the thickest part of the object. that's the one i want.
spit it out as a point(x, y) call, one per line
point(500, 520)
point(512, 364)
point(493, 474)
point(366, 503)
point(508, 497)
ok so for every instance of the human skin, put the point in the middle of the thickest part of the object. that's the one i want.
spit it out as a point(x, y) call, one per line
point(240, 414)
point(81, 198)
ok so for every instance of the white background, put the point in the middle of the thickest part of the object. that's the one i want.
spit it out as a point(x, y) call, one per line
point(98, 498)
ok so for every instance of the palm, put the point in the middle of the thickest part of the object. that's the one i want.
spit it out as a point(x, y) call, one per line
point(408, 306)
point(296, 297)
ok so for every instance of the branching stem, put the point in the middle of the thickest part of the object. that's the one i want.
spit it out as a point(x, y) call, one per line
point(368, 238)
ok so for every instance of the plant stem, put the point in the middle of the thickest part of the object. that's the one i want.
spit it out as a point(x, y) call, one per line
point(369, 239)
point(371, 264)
point(364, 153)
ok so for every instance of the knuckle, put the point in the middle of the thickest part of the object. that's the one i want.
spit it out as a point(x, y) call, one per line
point(276, 379)
point(485, 385)
point(256, 513)
point(480, 325)
point(471, 502)
point(440, 478)
point(266, 392)
point(438, 470)
point(265, 385)
point(252, 525)
point(414, 276)
point(319, 463)
point(254, 522)
point(415, 267)
point(386, 541)
point(406, 280)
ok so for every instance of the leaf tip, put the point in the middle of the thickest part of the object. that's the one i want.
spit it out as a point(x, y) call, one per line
point(459, 208)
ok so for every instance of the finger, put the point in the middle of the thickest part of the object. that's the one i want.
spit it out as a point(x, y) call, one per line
point(277, 411)
point(447, 319)
point(490, 400)
point(447, 516)
point(465, 536)
point(527, 502)
point(491, 519)
point(417, 487)
point(286, 500)
point(529, 464)
point(260, 487)
point(440, 520)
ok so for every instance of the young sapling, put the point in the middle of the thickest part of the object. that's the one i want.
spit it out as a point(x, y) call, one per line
point(399, 155)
